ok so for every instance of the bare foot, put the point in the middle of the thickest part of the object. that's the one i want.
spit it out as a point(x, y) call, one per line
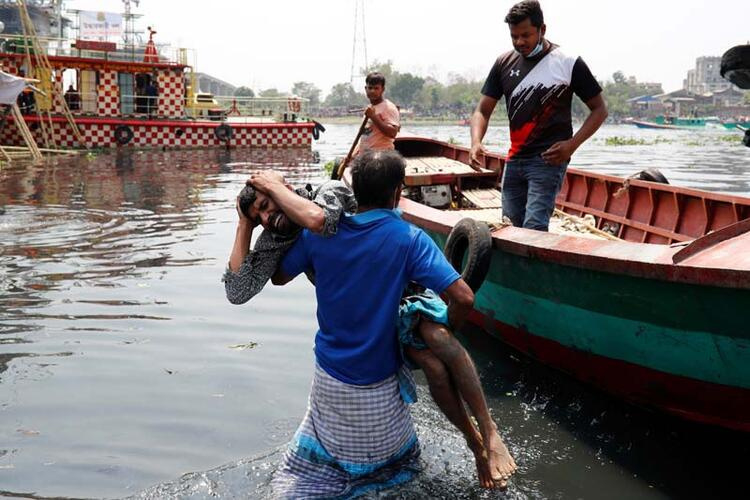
point(501, 464)
point(482, 462)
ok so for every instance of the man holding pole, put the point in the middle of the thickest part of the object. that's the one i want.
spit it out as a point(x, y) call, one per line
point(380, 126)
point(383, 115)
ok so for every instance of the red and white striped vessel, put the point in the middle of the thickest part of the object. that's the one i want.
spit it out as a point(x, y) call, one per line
point(120, 97)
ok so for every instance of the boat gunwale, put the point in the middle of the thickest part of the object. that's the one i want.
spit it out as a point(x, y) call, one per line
point(642, 260)
point(163, 122)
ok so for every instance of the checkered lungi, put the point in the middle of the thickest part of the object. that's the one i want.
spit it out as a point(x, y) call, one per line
point(353, 439)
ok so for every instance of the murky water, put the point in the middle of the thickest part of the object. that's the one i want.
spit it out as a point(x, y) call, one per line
point(122, 366)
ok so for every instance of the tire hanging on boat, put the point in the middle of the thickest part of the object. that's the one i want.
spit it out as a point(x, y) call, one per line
point(123, 134)
point(223, 132)
point(652, 175)
point(735, 66)
point(470, 241)
point(317, 129)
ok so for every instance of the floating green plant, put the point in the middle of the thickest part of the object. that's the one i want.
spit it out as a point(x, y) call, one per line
point(624, 141)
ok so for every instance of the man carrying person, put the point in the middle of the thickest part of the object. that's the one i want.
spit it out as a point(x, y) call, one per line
point(448, 368)
point(538, 82)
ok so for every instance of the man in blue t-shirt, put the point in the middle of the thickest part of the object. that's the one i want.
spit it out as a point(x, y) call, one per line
point(360, 275)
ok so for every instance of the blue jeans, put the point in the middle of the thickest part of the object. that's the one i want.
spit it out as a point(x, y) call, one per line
point(529, 189)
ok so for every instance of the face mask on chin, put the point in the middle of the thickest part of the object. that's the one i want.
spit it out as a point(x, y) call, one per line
point(537, 50)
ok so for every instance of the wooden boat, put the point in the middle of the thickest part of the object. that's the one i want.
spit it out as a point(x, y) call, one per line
point(656, 316)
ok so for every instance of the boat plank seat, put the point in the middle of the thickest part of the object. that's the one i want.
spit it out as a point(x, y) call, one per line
point(483, 198)
point(431, 170)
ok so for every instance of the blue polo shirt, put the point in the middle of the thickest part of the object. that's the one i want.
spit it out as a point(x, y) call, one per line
point(360, 275)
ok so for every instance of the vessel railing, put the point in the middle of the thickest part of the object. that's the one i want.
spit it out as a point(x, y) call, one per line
point(264, 106)
point(285, 108)
point(65, 47)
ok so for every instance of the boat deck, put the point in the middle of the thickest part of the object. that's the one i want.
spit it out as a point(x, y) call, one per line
point(483, 203)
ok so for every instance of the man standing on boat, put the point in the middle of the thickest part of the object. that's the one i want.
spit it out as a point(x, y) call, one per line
point(538, 81)
point(383, 115)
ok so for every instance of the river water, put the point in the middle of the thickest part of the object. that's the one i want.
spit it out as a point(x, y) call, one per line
point(124, 371)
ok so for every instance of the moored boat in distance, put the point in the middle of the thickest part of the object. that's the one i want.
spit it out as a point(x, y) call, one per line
point(654, 314)
point(736, 124)
point(676, 122)
point(140, 96)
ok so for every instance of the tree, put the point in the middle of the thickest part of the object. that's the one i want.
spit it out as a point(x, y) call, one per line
point(404, 88)
point(343, 95)
point(271, 93)
point(244, 92)
point(307, 90)
point(386, 68)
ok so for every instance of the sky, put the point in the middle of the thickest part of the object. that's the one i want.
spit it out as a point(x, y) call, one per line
point(274, 43)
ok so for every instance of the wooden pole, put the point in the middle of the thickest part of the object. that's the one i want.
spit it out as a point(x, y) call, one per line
point(342, 167)
point(43, 150)
point(26, 133)
point(7, 158)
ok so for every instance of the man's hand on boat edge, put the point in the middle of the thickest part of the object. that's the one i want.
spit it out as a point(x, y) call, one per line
point(476, 150)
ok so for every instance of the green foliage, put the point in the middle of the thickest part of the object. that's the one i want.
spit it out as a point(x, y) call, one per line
point(328, 168)
point(404, 88)
point(271, 93)
point(624, 141)
point(342, 95)
point(307, 90)
point(618, 91)
point(244, 92)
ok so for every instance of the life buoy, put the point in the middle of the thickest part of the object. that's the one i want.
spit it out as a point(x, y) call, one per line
point(317, 129)
point(123, 134)
point(470, 241)
point(223, 132)
point(294, 105)
point(652, 175)
point(735, 66)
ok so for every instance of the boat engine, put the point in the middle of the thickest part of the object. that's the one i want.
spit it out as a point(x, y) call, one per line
point(437, 196)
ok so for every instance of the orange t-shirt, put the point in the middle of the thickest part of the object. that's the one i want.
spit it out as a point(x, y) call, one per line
point(373, 138)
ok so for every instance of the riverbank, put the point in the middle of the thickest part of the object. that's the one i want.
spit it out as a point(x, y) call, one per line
point(410, 120)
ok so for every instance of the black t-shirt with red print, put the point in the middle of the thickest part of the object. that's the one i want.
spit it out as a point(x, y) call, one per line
point(538, 92)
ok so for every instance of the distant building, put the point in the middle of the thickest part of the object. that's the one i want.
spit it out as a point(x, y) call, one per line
point(213, 85)
point(729, 97)
point(705, 77)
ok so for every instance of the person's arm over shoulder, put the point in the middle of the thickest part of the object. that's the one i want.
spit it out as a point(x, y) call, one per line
point(294, 262)
point(336, 199)
point(258, 266)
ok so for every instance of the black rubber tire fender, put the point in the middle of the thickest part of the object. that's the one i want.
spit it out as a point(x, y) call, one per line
point(317, 129)
point(652, 175)
point(123, 134)
point(472, 239)
point(223, 132)
point(735, 66)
